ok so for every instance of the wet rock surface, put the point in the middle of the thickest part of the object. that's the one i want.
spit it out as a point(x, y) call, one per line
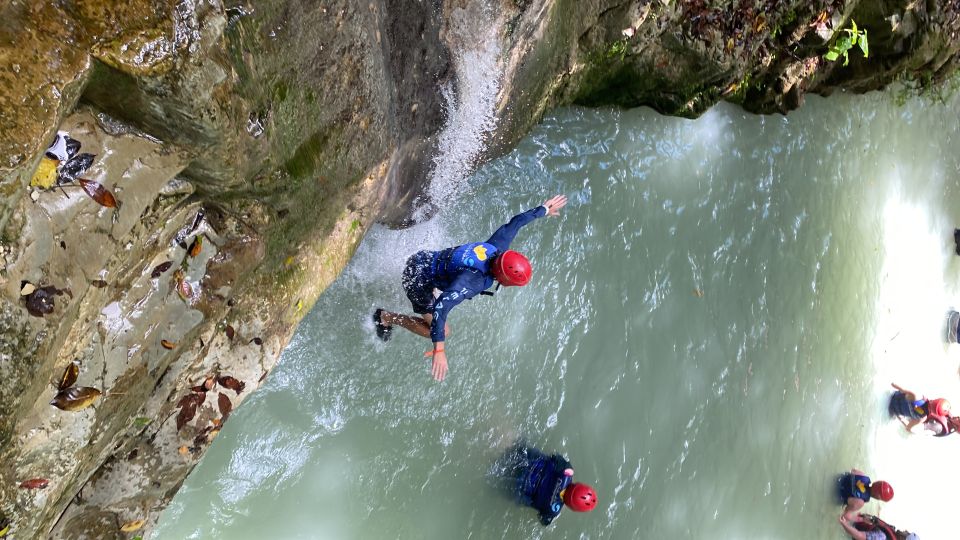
point(248, 146)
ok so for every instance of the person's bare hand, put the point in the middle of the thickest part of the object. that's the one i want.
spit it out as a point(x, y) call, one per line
point(554, 205)
point(439, 365)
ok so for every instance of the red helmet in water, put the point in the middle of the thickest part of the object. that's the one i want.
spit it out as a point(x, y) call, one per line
point(939, 407)
point(881, 490)
point(512, 269)
point(580, 497)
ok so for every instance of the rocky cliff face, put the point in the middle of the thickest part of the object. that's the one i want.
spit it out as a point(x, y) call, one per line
point(225, 158)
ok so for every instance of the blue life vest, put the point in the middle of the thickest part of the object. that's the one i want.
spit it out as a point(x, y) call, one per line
point(859, 487)
point(451, 261)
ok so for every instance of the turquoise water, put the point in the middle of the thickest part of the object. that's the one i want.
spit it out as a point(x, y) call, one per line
point(709, 337)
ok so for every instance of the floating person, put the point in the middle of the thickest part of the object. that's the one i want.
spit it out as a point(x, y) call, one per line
point(913, 410)
point(436, 281)
point(855, 489)
point(867, 527)
point(545, 482)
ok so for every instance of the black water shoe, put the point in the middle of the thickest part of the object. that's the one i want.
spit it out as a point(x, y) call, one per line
point(383, 331)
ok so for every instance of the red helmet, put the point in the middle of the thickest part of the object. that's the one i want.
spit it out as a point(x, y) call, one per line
point(939, 407)
point(512, 269)
point(580, 497)
point(881, 490)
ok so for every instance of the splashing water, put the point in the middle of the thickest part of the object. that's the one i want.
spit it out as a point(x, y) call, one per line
point(470, 104)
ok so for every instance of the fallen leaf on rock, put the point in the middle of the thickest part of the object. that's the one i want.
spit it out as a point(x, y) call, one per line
point(225, 405)
point(4, 526)
point(230, 332)
point(196, 246)
point(35, 483)
point(183, 450)
point(232, 383)
point(75, 398)
point(134, 525)
point(141, 421)
point(188, 408)
point(46, 175)
point(99, 283)
point(216, 422)
point(70, 375)
point(169, 345)
point(160, 269)
point(98, 193)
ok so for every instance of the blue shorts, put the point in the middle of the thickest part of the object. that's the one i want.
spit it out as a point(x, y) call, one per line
point(418, 281)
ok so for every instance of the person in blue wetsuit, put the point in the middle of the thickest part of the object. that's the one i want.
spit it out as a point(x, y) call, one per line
point(546, 483)
point(855, 489)
point(915, 410)
point(437, 281)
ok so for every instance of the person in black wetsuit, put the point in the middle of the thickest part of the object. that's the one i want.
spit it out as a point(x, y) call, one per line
point(436, 281)
point(546, 483)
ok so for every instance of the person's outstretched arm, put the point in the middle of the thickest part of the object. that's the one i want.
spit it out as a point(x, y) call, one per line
point(464, 287)
point(504, 236)
point(851, 530)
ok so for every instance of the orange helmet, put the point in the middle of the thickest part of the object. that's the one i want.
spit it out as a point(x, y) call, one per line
point(881, 490)
point(580, 497)
point(512, 269)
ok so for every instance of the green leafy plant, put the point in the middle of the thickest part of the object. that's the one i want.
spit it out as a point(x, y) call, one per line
point(849, 38)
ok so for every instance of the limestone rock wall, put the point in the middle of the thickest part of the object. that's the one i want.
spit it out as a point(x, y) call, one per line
point(249, 145)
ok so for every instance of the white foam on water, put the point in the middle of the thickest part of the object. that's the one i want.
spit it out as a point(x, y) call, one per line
point(909, 348)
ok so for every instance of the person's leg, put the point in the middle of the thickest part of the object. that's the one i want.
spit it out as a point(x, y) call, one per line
point(417, 325)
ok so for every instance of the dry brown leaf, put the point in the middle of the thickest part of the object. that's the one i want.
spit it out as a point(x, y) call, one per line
point(70, 375)
point(225, 405)
point(98, 193)
point(35, 483)
point(134, 525)
point(160, 269)
point(169, 345)
point(232, 383)
point(196, 246)
point(183, 450)
point(75, 398)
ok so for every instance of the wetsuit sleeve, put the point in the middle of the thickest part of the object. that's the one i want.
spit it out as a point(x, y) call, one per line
point(467, 285)
point(507, 232)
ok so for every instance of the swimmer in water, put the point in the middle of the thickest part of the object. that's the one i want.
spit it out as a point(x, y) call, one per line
point(546, 483)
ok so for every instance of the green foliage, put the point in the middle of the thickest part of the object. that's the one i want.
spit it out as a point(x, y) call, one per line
point(788, 19)
point(618, 49)
point(848, 39)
